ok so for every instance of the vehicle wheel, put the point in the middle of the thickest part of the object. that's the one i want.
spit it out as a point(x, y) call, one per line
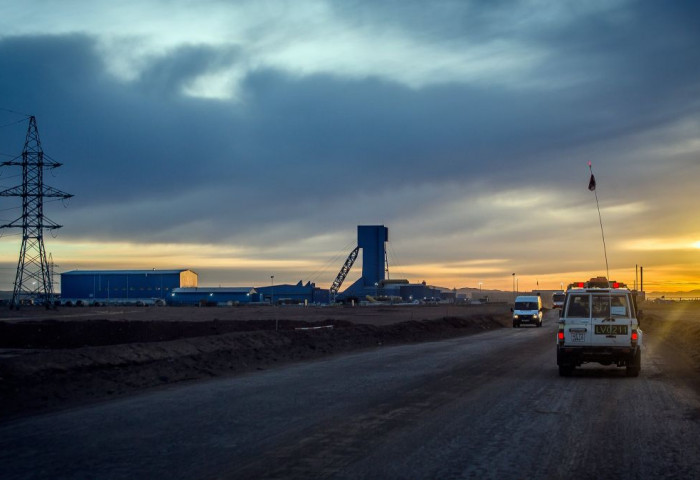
point(515, 325)
point(636, 365)
point(539, 324)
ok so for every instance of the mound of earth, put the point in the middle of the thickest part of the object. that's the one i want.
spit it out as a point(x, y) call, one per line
point(55, 363)
point(677, 324)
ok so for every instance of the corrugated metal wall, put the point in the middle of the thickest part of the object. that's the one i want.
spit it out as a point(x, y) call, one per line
point(123, 285)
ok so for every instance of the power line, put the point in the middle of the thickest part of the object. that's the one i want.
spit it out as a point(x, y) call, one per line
point(15, 112)
point(395, 261)
point(333, 261)
point(9, 209)
point(13, 123)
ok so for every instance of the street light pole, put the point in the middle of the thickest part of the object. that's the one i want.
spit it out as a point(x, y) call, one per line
point(514, 287)
point(272, 298)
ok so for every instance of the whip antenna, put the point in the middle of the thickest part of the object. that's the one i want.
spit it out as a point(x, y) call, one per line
point(591, 187)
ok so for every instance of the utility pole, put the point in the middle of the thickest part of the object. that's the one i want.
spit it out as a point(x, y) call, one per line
point(272, 300)
point(33, 278)
point(386, 264)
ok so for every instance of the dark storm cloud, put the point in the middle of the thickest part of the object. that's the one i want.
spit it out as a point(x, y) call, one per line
point(167, 74)
point(641, 62)
point(322, 152)
point(114, 139)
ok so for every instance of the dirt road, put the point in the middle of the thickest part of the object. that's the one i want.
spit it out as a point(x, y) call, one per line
point(51, 360)
point(484, 406)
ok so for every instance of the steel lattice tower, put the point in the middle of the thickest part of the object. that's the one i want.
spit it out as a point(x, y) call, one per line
point(33, 277)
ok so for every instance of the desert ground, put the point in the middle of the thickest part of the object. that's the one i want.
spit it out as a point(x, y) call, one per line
point(53, 359)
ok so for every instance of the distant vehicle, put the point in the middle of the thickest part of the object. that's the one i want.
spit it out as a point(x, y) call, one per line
point(527, 309)
point(558, 299)
point(599, 323)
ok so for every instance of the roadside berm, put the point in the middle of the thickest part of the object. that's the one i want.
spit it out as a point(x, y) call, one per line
point(52, 360)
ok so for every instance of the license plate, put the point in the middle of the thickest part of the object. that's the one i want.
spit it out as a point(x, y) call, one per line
point(578, 337)
point(610, 329)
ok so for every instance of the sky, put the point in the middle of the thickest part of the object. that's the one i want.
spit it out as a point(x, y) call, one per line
point(245, 139)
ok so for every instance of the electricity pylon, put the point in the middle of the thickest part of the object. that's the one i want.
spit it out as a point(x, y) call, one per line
point(33, 277)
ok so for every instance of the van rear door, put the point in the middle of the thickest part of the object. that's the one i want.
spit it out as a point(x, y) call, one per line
point(611, 319)
point(577, 320)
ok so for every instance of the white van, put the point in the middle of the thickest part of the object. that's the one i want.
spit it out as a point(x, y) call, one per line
point(527, 309)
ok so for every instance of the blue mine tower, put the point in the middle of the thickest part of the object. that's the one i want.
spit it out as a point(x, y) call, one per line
point(372, 240)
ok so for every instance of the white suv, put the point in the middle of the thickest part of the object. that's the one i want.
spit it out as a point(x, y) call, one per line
point(599, 324)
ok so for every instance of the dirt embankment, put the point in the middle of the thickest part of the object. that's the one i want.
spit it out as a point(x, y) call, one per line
point(54, 360)
point(676, 324)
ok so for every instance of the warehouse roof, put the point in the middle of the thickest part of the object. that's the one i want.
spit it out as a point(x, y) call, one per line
point(126, 272)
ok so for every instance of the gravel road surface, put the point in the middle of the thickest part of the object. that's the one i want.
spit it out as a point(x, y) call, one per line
point(485, 406)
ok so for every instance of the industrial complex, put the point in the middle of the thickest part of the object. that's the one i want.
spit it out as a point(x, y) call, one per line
point(34, 279)
point(180, 286)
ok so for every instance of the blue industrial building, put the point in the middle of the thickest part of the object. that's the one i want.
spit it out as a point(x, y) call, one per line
point(300, 293)
point(420, 292)
point(372, 240)
point(174, 287)
point(213, 296)
point(373, 284)
point(180, 287)
point(393, 290)
point(123, 286)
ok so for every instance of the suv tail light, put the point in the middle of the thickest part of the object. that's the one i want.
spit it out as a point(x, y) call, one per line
point(560, 336)
point(634, 337)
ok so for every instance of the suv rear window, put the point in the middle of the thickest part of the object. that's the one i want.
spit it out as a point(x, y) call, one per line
point(605, 306)
point(578, 306)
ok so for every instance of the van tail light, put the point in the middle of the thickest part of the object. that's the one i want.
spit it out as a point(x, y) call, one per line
point(560, 336)
point(634, 337)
